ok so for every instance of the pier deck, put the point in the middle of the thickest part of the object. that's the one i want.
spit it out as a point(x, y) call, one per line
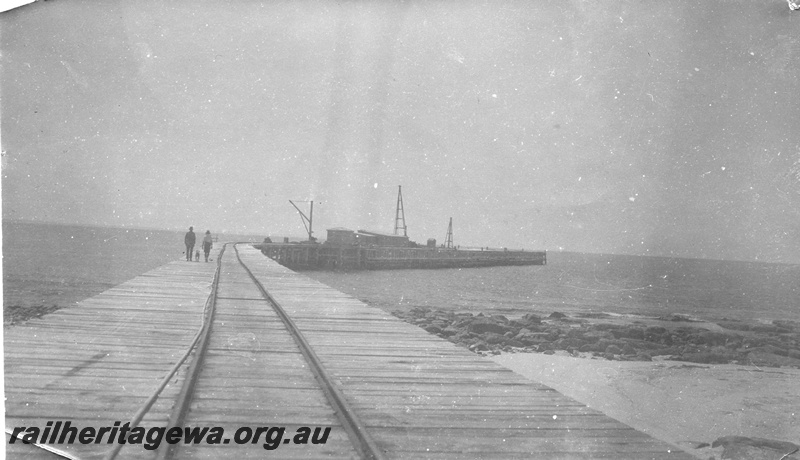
point(419, 396)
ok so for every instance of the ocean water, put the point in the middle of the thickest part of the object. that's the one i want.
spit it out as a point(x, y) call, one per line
point(59, 265)
point(577, 282)
point(49, 264)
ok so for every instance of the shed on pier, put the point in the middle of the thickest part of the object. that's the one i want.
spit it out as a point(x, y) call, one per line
point(389, 241)
point(341, 236)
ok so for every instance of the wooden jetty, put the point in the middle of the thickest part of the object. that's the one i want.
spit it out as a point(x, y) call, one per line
point(96, 362)
point(412, 394)
point(306, 256)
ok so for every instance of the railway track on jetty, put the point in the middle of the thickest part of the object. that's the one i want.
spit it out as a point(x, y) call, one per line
point(243, 320)
point(283, 367)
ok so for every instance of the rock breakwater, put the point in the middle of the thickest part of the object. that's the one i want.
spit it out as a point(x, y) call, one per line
point(601, 335)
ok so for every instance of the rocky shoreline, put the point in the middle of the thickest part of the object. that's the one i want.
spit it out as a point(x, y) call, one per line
point(16, 314)
point(613, 337)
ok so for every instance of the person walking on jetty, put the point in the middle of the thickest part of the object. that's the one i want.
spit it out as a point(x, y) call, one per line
point(189, 240)
point(208, 242)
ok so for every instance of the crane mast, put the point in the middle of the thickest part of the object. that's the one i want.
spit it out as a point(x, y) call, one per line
point(400, 216)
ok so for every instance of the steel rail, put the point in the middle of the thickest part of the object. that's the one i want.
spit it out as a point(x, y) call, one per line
point(208, 313)
point(202, 333)
point(352, 424)
point(184, 398)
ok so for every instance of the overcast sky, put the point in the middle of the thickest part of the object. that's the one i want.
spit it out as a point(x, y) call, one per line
point(660, 128)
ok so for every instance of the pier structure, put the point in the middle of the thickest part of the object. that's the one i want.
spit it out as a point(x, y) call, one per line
point(247, 345)
point(345, 249)
point(302, 256)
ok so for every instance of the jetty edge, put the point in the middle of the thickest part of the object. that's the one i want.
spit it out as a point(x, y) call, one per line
point(346, 249)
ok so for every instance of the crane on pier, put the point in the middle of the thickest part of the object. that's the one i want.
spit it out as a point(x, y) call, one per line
point(400, 216)
point(307, 220)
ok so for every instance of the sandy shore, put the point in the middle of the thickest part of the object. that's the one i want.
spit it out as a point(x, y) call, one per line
point(686, 404)
point(716, 388)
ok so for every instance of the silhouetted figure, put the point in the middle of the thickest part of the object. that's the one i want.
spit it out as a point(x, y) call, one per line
point(208, 243)
point(189, 240)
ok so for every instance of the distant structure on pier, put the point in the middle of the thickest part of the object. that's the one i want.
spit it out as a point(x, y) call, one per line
point(400, 214)
point(346, 249)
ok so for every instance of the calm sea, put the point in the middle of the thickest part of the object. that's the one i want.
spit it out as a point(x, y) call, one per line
point(48, 264)
point(59, 265)
point(575, 282)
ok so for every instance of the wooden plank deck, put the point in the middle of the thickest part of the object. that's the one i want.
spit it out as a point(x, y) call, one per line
point(255, 375)
point(98, 361)
point(423, 397)
point(420, 396)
